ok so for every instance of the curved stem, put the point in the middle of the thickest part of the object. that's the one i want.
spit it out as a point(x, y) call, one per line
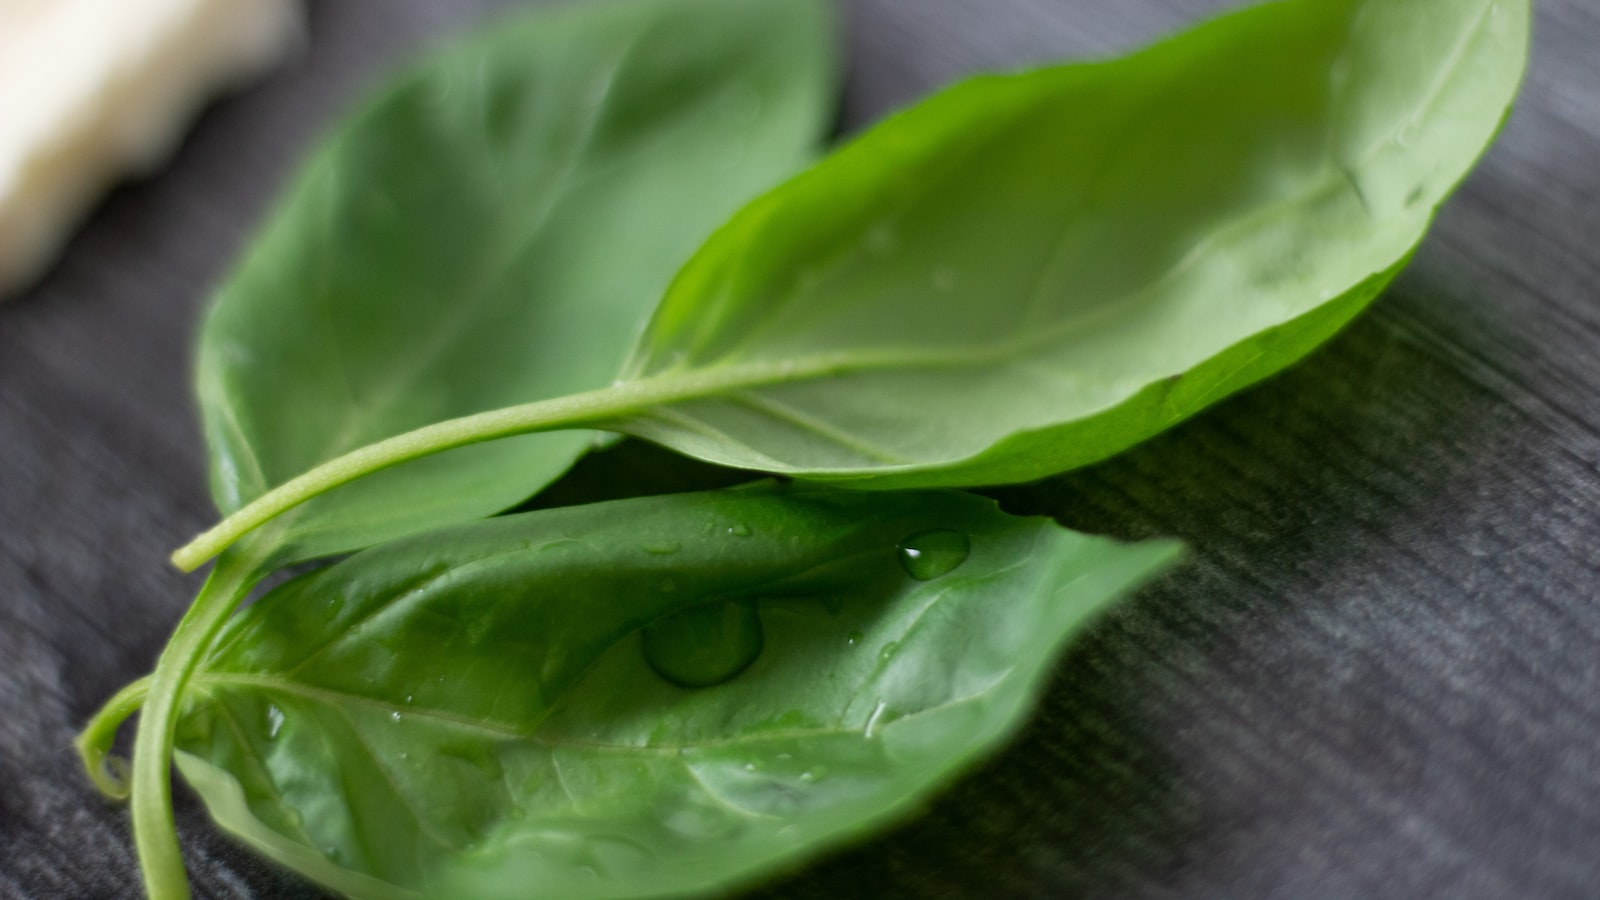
point(110, 773)
point(154, 831)
point(607, 408)
point(576, 411)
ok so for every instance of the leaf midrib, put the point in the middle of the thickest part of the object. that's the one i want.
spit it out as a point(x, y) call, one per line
point(502, 731)
point(1333, 179)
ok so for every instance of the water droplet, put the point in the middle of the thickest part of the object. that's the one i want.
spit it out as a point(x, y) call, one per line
point(749, 767)
point(394, 716)
point(929, 554)
point(704, 645)
point(854, 638)
point(274, 721)
point(944, 279)
point(410, 698)
point(739, 529)
point(889, 650)
point(814, 774)
point(661, 548)
point(330, 610)
point(404, 755)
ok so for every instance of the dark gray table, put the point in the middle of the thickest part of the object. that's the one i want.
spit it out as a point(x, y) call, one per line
point(1379, 677)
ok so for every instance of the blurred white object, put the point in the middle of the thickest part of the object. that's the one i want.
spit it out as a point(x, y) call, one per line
point(91, 90)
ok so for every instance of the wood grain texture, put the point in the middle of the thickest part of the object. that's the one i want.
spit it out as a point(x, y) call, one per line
point(1379, 676)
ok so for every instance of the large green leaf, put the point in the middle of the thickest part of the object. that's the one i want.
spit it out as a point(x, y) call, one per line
point(1030, 273)
point(494, 228)
point(478, 712)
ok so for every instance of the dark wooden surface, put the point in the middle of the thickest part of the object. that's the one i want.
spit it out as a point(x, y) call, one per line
point(1379, 676)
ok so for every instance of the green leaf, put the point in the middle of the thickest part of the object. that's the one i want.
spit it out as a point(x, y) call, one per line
point(482, 711)
point(494, 228)
point(1027, 274)
point(1030, 273)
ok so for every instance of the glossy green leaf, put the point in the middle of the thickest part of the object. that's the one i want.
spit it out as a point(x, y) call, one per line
point(1030, 273)
point(1026, 274)
point(483, 712)
point(491, 229)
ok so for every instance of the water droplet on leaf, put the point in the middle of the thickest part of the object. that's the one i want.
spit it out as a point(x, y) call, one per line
point(274, 721)
point(854, 638)
point(930, 554)
point(739, 529)
point(814, 774)
point(704, 645)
